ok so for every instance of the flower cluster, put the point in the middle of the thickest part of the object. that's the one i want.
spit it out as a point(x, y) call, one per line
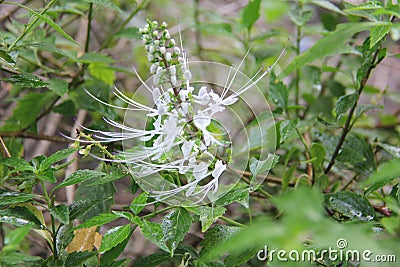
point(162, 52)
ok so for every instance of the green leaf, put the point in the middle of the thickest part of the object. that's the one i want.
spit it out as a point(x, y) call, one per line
point(6, 57)
point(54, 49)
point(153, 232)
point(115, 252)
point(66, 108)
point(351, 205)
point(18, 164)
point(80, 207)
point(216, 28)
point(250, 14)
point(386, 173)
point(107, 178)
point(59, 155)
point(114, 236)
point(105, 3)
point(27, 111)
point(13, 258)
point(98, 220)
point(378, 33)
point(102, 72)
point(8, 197)
point(208, 215)
point(216, 235)
point(331, 44)
point(261, 167)
point(47, 175)
point(26, 80)
point(344, 104)
point(286, 127)
point(152, 260)
point(327, 5)
point(14, 238)
point(50, 22)
point(78, 257)
point(138, 203)
point(317, 152)
point(278, 92)
point(20, 216)
point(61, 213)
point(79, 176)
point(237, 194)
point(60, 87)
point(93, 57)
point(299, 16)
point(175, 225)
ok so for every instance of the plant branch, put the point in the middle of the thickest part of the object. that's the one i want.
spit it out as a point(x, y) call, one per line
point(349, 124)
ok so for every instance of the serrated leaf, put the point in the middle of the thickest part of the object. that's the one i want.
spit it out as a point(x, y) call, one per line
point(344, 103)
point(14, 238)
point(138, 203)
point(261, 167)
point(27, 110)
point(250, 14)
point(152, 260)
point(114, 236)
point(26, 80)
point(93, 57)
point(60, 87)
point(153, 232)
point(79, 208)
point(105, 3)
point(175, 225)
point(110, 255)
point(351, 205)
point(61, 213)
point(377, 33)
point(20, 216)
point(6, 57)
point(208, 215)
point(278, 92)
point(98, 220)
point(8, 197)
point(317, 152)
point(13, 258)
point(239, 195)
point(50, 22)
point(56, 157)
point(216, 28)
point(77, 258)
point(386, 173)
point(54, 49)
point(107, 178)
point(286, 127)
point(18, 164)
point(102, 72)
point(79, 176)
point(216, 235)
point(327, 5)
point(300, 17)
point(331, 44)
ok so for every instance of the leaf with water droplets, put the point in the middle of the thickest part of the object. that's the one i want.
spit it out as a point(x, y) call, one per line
point(351, 205)
point(114, 236)
point(175, 225)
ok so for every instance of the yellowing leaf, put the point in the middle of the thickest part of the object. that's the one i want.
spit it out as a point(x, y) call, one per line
point(84, 239)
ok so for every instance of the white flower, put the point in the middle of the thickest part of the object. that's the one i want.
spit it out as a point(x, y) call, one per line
point(200, 170)
point(186, 148)
point(202, 97)
point(187, 75)
point(153, 68)
point(168, 56)
point(219, 168)
point(172, 70)
point(177, 50)
point(201, 120)
point(173, 80)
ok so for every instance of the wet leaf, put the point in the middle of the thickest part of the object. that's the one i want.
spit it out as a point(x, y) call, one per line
point(77, 258)
point(17, 164)
point(238, 194)
point(79, 176)
point(138, 203)
point(208, 215)
point(114, 236)
point(153, 232)
point(61, 213)
point(98, 220)
point(8, 197)
point(344, 104)
point(27, 80)
point(351, 205)
point(175, 225)
point(112, 254)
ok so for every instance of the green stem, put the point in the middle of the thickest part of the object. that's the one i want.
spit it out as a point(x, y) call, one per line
point(89, 27)
point(232, 221)
point(31, 25)
point(155, 213)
